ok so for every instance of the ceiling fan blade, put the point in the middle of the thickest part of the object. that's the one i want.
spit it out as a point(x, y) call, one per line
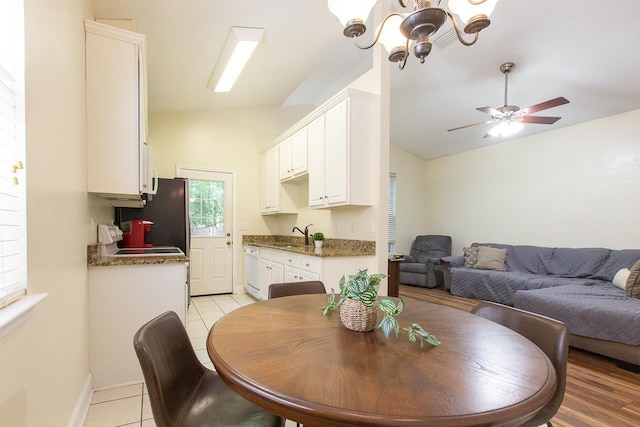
point(473, 124)
point(545, 105)
point(489, 110)
point(540, 120)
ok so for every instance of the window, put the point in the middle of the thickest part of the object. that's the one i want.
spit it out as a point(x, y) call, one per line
point(392, 214)
point(13, 243)
point(206, 208)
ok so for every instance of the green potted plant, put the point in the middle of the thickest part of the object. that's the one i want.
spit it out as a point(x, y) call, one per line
point(318, 237)
point(358, 311)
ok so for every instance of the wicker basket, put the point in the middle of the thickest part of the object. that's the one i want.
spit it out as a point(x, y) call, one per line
point(357, 317)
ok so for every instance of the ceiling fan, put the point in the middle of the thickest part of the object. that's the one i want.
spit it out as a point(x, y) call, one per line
point(510, 118)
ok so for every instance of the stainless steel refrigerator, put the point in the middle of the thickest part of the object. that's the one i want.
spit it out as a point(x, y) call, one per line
point(169, 212)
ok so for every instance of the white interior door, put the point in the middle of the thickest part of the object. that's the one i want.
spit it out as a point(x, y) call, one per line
point(211, 218)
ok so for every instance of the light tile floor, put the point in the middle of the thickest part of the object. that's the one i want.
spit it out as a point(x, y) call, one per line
point(129, 406)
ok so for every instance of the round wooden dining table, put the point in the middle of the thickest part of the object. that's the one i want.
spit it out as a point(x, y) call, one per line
point(284, 356)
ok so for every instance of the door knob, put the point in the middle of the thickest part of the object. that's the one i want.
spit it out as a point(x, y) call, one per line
point(228, 243)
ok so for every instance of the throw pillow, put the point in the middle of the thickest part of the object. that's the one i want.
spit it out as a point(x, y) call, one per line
point(633, 281)
point(470, 256)
point(620, 279)
point(491, 258)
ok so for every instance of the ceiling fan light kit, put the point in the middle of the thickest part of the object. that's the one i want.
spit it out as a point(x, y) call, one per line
point(399, 32)
point(510, 118)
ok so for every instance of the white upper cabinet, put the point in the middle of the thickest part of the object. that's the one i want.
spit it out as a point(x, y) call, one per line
point(275, 198)
point(332, 147)
point(116, 114)
point(316, 161)
point(341, 166)
point(293, 156)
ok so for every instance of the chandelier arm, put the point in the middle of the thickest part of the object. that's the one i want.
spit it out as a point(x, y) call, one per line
point(476, 2)
point(402, 63)
point(377, 36)
point(403, 3)
point(458, 33)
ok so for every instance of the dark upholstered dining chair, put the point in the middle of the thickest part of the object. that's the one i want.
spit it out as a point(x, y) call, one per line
point(422, 267)
point(277, 290)
point(182, 391)
point(550, 335)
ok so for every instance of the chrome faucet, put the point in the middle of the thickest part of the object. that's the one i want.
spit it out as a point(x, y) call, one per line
point(305, 233)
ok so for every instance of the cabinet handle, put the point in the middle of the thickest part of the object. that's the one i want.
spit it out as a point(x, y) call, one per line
point(307, 264)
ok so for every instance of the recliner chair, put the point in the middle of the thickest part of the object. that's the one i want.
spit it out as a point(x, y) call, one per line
point(422, 267)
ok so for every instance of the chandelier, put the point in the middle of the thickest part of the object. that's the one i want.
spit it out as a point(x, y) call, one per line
point(400, 31)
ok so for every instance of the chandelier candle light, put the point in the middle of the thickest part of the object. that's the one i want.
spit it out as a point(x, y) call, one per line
point(400, 31)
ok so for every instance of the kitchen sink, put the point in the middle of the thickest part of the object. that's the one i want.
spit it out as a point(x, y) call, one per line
point(285, 245)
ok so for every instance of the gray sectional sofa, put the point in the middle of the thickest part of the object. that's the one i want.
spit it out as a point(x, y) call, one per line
point(573, 285)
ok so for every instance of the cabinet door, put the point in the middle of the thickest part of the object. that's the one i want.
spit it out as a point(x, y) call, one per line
point(307, 275)
point(273, 180)
point(264, 183)
point(113, 145)
point(116, 113)
point(265, 278)
point(292, 274)
point(277, 272)
point(299, 152)
point(336, 148)
point(316, 151)
point(285, 168)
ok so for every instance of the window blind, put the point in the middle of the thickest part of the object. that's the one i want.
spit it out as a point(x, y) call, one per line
point(391, 227)
point(13, 235)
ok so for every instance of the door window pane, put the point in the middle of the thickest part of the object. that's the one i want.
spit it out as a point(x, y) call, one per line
point(206, 208)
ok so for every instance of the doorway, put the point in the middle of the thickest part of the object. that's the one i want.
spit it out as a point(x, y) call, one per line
point(211, 197)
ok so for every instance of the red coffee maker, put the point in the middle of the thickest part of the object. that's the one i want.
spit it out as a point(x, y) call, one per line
point(133, 233)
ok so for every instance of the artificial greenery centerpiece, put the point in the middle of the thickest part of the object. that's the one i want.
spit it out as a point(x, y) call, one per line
point(363, 288)
point(318, 236)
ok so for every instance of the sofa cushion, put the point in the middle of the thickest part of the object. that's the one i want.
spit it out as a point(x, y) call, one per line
point(617, 259)
point(633, 281)
point(593, 263)
point(491, 258)
point(470, 256)
point(600, 310)
point(620, 279)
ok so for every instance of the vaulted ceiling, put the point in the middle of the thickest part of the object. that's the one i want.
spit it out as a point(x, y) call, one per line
point(567, 48)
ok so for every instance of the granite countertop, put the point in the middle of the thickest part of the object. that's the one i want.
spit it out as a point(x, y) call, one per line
point(94, 260)
point(330, 247)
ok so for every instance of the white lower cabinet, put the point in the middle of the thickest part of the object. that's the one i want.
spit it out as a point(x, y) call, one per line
point(278, 266)
point(271, 270)
point(121, 300)
point(281, 266)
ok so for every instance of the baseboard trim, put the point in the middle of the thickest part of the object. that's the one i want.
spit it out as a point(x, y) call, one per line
point(82, 405)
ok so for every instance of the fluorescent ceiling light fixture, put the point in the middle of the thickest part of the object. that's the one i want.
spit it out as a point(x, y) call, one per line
point(236, 52)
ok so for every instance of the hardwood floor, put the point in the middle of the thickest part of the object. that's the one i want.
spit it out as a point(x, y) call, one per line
point(598, 392)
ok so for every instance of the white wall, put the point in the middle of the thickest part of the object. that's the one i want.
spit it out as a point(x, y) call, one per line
point(412, 208)
point(45, 362)
point(218, 139)
point(571, 187)
point(231, 140)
